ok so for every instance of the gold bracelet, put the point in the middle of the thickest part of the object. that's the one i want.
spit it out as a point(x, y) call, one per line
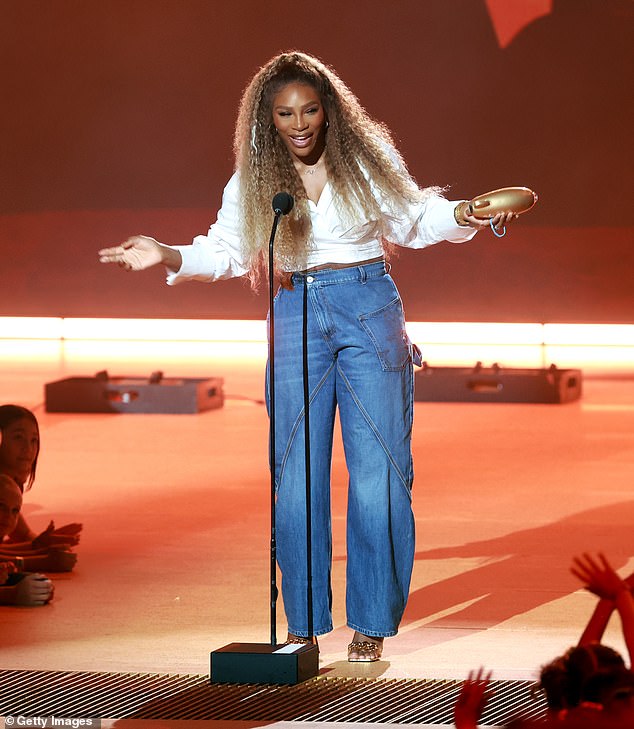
point(458, 213)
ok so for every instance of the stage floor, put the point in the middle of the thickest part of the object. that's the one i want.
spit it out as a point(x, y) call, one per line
point(173, 560)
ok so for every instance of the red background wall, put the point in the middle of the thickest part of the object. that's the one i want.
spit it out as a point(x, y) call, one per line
point(117, 118)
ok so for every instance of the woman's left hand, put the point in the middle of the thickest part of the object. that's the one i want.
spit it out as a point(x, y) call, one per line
point(499, 221)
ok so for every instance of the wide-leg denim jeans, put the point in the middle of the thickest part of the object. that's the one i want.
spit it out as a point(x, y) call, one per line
point(360, 360)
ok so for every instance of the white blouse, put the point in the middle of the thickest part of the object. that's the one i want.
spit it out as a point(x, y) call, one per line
point(218, 254)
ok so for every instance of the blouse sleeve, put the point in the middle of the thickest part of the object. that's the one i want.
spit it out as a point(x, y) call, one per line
point(218, 254)
point(429, 222)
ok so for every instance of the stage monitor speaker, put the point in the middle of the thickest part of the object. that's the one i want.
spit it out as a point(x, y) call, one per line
point(153, 394)
point(496, 384)
point(263, 663)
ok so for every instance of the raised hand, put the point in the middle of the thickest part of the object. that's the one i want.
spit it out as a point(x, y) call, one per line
point(599, 577)
point(472, 699)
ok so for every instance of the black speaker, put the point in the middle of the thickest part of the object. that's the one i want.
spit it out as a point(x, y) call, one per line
point(496, 384)
point(263, 663)
point(153, 394)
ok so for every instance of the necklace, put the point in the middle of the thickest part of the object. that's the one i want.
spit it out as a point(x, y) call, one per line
point(313, 169)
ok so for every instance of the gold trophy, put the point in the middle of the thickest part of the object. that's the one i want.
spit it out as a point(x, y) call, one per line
point(505, 200)
point(514, 200)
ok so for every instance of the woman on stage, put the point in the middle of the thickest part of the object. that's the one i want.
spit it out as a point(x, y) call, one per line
point(301, 130)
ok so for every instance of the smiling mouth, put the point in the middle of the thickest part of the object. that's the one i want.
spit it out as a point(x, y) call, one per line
point(301, 141)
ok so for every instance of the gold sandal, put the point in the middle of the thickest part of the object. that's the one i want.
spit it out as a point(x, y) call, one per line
point(300, 640)
point(367, 651)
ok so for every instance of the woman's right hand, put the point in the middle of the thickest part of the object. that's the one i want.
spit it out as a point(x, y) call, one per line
point(135, 254)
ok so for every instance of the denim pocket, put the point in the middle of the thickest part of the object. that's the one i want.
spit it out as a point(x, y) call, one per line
point(386, 329)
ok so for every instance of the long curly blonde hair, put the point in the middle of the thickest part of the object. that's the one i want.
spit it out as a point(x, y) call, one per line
point(358, 150)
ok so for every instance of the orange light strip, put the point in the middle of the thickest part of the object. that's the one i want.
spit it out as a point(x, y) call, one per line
point(604, 347)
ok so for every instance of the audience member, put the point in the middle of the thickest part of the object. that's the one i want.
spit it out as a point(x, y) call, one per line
point(19, 451)
point(614, 593)
point(590, 685)
point(567, 679)
point(17, 587)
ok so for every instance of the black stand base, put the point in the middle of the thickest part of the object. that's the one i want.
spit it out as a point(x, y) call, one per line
point(264, 663)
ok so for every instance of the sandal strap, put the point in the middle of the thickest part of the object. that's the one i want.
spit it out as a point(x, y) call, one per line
point(299, 640)
point(366, 646)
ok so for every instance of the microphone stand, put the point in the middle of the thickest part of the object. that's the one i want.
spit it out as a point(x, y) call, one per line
point(249, 663)
point(309, 520)
point(309, 540)
point(273, 555)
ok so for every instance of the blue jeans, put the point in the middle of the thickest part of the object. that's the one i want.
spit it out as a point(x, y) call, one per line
point(360, 360)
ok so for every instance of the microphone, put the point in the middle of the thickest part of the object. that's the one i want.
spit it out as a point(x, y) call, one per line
point(283, 203)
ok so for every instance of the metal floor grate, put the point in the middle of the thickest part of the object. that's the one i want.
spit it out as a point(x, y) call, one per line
point(170, 696)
